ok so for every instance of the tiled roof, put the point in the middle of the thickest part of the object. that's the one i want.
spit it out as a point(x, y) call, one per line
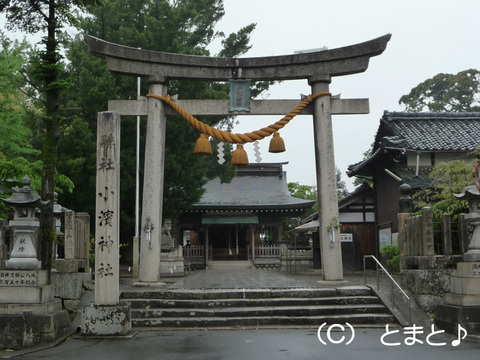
point(429, 131)
point(417, 182)
point(361, 191)
point(421, 132)
point(358, 193)
point(257, 185)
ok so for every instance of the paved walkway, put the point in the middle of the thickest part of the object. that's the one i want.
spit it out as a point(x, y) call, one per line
point(231, 278)
point(274, 344)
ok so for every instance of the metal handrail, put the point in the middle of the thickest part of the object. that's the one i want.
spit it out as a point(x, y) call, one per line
point(392, 282)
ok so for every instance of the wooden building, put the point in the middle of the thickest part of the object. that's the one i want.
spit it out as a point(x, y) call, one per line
point(234, 221)
point(407, 146)
point(357, 227)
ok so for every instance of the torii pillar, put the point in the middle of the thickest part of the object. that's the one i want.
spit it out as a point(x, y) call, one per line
point(153, 180)
point(328, 216)
point(317, 67)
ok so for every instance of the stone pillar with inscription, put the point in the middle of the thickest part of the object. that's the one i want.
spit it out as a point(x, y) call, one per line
point(108, 316)
point(69, 262)
point(107, 228)
point(69, 234)
point(329, 226)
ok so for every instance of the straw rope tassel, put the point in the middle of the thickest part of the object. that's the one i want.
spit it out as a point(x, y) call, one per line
point(239, 138)
point(277, 145)
point(203, 146)
point(239, 156)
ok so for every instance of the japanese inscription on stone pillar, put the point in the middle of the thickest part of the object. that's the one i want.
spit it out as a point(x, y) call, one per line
point(69, 234)
point(107, 210)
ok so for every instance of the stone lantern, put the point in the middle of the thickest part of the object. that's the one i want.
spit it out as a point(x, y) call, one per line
point(472, 194)
point(23, 255)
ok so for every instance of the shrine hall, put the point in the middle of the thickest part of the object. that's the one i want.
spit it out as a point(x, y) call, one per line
point(230, 217)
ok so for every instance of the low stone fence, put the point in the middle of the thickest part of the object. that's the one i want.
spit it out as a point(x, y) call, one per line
point(300, 258)
point(76, 244)
point(74, 241)
point(429, 253)
point(420, 236)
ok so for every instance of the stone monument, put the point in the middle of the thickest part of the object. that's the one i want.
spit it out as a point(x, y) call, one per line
point(29, 313)
point(171, 257)
point(462, 304)
point(24, 225)
point(167, 240)
point(107, 316)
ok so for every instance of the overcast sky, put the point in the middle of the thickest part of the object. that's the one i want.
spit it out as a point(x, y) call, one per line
point(428, 37)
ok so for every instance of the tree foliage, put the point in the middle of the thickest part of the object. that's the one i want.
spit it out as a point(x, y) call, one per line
point(308, 192)
point(185, 27)
point(447, 179)
point(342, 190)
point(48, 17)
point(305, 192)
point(360, 180)
point(446, 93)
point(67, 96)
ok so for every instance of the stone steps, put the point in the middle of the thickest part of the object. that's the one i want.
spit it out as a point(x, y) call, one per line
point(261, 311)
point(231, 303)
point(258, 321)
point(203, 294)
point(187, 308)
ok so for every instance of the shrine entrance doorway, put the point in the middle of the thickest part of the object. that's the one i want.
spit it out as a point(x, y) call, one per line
point(228, 242)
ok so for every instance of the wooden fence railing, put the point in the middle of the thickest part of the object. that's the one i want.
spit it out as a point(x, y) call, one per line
point(267, 252)
point(194, 254)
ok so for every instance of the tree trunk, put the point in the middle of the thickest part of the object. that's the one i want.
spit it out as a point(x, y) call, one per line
point(50, 74)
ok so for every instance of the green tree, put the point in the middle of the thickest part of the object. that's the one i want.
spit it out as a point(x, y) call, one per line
point(342, 190)
point(445, 93)
point(447, 179)
point(16, 154)
point(49, 17)
point(360, 180)
point(185, 27)
point(306, 192)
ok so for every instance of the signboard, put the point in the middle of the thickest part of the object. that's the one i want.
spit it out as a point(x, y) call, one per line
point(18, 278)
point(346, 237)
point(239, 95)
point(385, 237)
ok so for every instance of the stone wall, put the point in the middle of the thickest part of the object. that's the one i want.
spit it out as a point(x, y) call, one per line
point(70, 287)
point(19, 331)
point(296, 259)
point(428, 277)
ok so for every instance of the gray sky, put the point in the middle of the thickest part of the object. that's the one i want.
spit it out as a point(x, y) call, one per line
point(428, 37)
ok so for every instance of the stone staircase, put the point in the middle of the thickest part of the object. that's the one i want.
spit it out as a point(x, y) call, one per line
point(231, 308)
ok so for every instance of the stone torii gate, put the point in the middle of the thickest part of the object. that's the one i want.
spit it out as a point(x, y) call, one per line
point(159, 68)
